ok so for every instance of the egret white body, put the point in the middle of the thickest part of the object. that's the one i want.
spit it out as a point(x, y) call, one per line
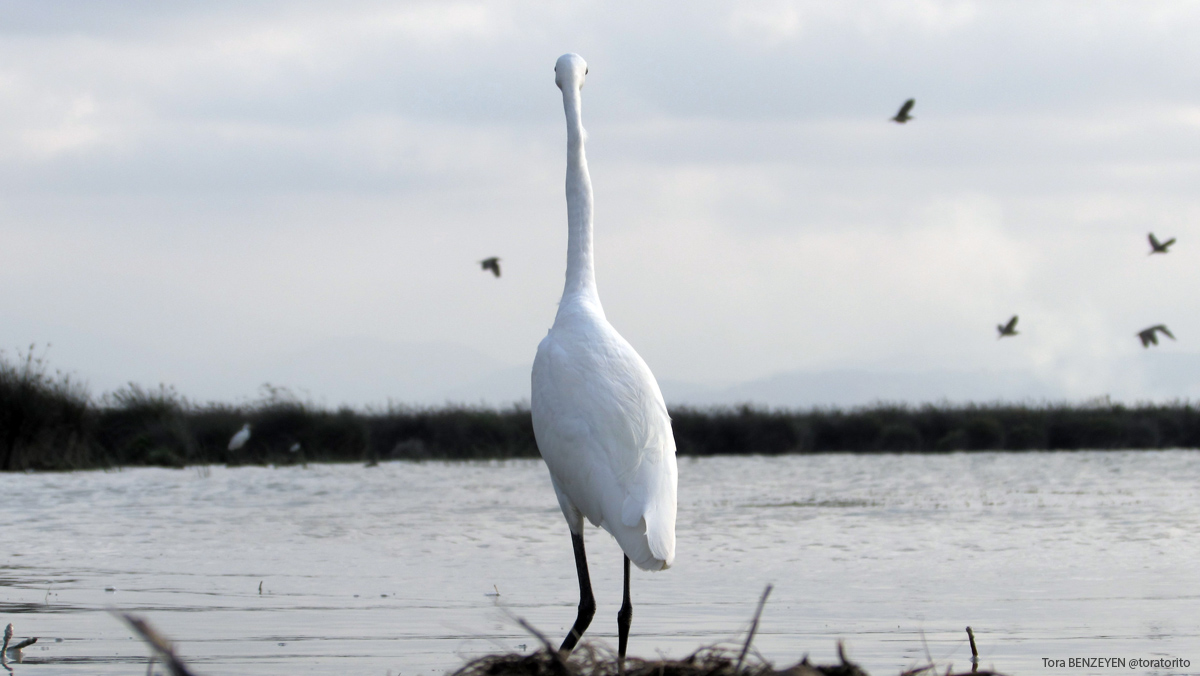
point(598, 415)
point(238, 440)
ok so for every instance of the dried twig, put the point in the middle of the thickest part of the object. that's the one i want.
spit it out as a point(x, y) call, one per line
point(557, 656)
point(753, 628)
point(974, 652)
point(925, 645)
point(158, 642)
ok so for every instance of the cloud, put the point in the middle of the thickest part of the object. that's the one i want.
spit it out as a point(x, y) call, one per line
point(221, 183)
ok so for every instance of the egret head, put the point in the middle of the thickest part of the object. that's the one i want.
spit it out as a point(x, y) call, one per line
point(570, 71)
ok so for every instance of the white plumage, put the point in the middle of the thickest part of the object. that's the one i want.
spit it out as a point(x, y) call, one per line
point(602, 427)
point(240, 438)
point(598, 415)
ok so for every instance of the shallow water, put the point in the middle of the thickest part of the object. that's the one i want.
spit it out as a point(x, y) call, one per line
point(396, 568)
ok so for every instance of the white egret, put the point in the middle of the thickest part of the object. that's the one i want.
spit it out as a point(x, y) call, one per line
point(492, 264)
point(598, 415)
point(1009, 329)
point(238, 440)
point(1148, 337)
point(1159, 247)
point(902, 116)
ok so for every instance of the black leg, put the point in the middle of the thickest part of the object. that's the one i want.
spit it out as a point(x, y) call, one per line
point(587, 602)
point(624, 619)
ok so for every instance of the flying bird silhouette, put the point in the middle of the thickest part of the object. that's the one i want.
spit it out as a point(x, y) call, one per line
point(1009, 329)
point(1148, 335)
point(492, 264)
point(1159, 247)
point(903, 115)
point(238, 440)
point(598, 414)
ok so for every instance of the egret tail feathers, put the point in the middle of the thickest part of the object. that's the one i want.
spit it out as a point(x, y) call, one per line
point(660, 536)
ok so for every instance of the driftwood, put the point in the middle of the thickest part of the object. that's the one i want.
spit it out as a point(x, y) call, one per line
point(13, 652)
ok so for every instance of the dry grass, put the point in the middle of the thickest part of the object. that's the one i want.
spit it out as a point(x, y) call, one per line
point(587, 660)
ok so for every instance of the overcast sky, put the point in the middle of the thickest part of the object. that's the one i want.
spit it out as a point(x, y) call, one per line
point(217, 195)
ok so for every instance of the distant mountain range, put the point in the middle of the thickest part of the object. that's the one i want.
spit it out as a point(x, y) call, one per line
point(363, 372)
point(367, 372)
point(852, 387)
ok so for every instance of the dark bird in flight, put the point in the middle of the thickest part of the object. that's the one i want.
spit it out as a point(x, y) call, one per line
point(903, 115)
point(492, 264)
point(1009, 329)
point(1148, 335)
point(1159, 247)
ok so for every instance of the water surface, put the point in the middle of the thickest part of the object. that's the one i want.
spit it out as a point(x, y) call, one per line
point(396, 568)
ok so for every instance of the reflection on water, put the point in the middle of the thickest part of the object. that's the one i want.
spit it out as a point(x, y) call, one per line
point(397, 567)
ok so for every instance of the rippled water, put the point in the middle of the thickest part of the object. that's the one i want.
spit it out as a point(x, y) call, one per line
point(389, 568)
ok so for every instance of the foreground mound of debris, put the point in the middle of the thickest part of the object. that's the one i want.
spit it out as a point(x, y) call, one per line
point(588, 661)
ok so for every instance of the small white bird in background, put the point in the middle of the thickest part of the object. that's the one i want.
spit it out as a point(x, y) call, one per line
point(903, 116)
point(238, 440)
point(492, 264)
point(13, 653)
point(1148, 335)
point(598, 415)
point(1159, 247)
point(294, 448)
point(1009, 329)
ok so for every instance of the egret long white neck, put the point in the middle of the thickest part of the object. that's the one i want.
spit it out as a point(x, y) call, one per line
point(581, 272)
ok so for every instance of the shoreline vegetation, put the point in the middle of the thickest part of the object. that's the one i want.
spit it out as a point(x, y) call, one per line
point(49, 421)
